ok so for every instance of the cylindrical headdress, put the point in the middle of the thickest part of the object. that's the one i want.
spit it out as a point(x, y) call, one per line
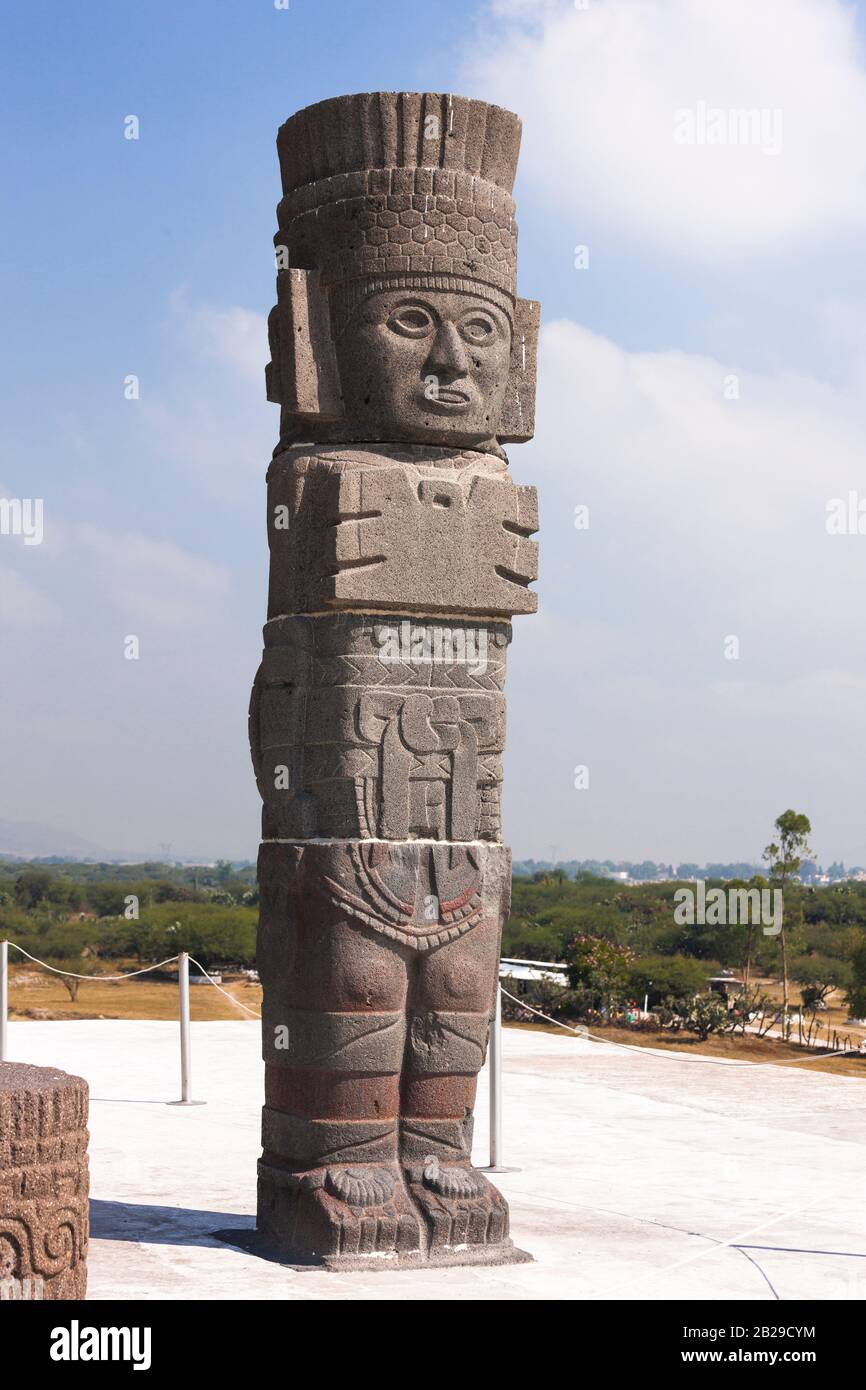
point(387, 190)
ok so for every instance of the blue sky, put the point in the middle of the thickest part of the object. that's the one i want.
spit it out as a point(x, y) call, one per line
point(154, 257)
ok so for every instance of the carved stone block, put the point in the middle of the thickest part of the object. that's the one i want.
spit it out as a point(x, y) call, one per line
point(363, 726)
point(383, 530)
point(43, 1183)
point(302, 376)
point(517, 419)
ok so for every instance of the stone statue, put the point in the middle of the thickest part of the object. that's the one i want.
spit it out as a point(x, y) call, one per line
point(400, 548)
point(43, 1184)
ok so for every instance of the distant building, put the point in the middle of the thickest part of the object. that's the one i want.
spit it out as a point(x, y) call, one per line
point(727, 984)
point(525, 973)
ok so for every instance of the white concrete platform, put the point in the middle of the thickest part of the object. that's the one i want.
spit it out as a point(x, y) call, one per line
point(641, 1176)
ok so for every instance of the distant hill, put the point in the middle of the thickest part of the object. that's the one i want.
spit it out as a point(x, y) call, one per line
point(24, 839)
point(20, 839)
point(646, 872)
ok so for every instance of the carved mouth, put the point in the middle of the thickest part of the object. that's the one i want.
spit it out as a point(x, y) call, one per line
point(449, 398)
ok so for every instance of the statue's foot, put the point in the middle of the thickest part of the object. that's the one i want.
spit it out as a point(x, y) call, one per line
point(461, 1208)
point(361, 1188)
point(338, 1214)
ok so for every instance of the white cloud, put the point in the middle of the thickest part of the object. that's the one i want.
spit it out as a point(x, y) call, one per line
point(707, 519)
point(599, 88)
point(21, 605)
point(523, 9)
point(216, 422)
point(729, 487)
point(234, 337)
point(154, 581)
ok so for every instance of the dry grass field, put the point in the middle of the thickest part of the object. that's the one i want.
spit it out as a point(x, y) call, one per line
point(726, 1047)
point(36, 994)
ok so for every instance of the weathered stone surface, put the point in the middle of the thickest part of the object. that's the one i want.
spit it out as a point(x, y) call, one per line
point(393, 163)
point(302, 376)
point(399, 548)
point(429, 533)
point(43, 1183)
point(378, 964)
point(517, 416)
point(327, 399)
point(365, 726)
point(407, 221)
point(370, 135)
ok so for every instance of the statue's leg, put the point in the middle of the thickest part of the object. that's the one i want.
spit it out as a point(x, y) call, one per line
point(334, 1025)
point(450, 1007)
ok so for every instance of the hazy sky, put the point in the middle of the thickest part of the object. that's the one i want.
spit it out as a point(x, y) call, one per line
point(701, 393)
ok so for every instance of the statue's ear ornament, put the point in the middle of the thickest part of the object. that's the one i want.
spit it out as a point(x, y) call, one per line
point(302, 374)
point(517, 418)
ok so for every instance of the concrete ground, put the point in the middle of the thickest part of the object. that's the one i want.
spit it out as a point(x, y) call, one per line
point(639, 1176)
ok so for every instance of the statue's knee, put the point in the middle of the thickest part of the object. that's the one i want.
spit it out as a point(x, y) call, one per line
point(457, 980)
point(443, 1042)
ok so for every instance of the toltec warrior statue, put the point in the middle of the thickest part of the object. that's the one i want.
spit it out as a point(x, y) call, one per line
point(400, 548)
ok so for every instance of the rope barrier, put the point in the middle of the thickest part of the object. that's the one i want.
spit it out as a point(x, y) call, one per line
point(557, 1023)
point(73, 976)
point(183, 962)
point(129, 974)
point(224, 991)
point(649, 1052)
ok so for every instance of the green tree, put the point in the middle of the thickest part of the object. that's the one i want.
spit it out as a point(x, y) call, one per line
point(856, 996)
point(32, 887)
point(821, 973)
point(784, 858)
point(598, 968)
point(662, 977)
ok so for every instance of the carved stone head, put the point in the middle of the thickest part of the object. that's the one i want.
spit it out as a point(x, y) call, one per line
point(397, 317)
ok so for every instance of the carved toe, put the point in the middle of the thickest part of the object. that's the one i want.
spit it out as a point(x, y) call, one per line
point(360, 1187)
point(457, 1183)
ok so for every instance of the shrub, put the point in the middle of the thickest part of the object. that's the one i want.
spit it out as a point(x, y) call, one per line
point(599, 969)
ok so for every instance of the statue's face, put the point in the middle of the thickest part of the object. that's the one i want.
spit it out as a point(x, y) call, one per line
point(428, 365)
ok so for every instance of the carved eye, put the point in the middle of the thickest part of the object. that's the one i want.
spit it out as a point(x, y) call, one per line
point(478, 329)
point(411, 320)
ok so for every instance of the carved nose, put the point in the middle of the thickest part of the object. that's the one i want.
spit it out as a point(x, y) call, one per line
point(448, 355)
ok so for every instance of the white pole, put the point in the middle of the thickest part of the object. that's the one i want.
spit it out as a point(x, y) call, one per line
point(185, 1049)
point(496, 1085)
point(646, 1003)
point(495, 1063)
point(183, 983)
point(4, 999)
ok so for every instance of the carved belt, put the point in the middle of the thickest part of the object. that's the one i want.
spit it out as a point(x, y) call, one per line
point(382, 888)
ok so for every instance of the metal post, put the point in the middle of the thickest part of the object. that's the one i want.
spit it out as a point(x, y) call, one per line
point(496, 1083)
point(183, 984)
point(496, 1165)
point(4, 1000)
point(185, 1052)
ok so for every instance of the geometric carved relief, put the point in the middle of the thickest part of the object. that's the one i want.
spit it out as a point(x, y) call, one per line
point(428, 532)
point(382, 730)
point(43, 1183)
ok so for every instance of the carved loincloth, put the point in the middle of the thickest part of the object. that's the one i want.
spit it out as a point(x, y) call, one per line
point(384, 889)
